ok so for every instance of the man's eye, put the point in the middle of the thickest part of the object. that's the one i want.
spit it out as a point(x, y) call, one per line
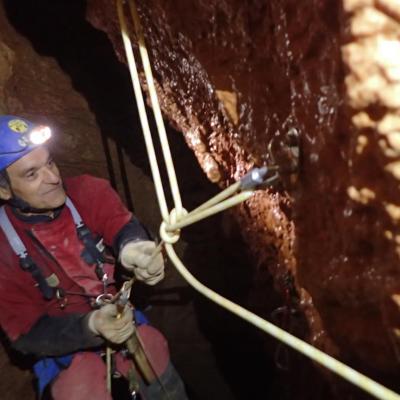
point(31, 175)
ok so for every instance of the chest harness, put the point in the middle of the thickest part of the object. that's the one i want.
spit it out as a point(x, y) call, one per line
point(93, 253)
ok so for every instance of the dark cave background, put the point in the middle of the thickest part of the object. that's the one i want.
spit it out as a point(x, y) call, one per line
point(218, 356)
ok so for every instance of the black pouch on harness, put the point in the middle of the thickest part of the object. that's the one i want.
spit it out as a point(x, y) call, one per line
point(93, 252)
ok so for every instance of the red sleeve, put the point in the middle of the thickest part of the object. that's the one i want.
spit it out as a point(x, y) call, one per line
point(99, 205)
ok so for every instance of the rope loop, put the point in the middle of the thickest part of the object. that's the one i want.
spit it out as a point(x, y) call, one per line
point(167, 235)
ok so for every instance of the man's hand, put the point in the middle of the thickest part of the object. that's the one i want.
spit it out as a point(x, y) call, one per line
point(137, 257)
point(104, 322)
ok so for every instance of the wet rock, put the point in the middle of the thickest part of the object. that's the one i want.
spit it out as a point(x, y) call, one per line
point(316, 69)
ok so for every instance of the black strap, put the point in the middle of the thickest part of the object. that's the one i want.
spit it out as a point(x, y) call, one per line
point(27, 264)
point(91, 253)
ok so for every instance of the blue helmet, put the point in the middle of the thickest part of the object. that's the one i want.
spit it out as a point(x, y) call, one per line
point(19, 137)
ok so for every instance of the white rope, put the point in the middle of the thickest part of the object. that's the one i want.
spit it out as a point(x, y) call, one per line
point(157, 111)
point(142, 114)
point(346, 372)
point(176, 219)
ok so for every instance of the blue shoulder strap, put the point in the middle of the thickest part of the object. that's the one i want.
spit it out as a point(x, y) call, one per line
point(13, 237)
point(11, 234)
point(75, 214)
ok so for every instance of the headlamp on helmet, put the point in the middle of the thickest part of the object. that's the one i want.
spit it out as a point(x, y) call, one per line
point(18, 137)
point(36, 136)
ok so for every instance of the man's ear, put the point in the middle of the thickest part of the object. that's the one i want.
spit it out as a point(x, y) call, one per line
point(5, 193)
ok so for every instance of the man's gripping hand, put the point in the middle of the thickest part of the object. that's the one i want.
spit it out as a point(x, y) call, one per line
point(104, 322)
point(137, 257)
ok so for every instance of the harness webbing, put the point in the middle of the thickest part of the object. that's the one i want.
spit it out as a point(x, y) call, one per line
point(12, 235)
point(75, 214)
point(92, 253)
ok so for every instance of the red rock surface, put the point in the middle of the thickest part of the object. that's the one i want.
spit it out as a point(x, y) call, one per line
point(235, 76)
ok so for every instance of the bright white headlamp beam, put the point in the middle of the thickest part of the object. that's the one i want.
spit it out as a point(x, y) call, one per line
point(39, 135)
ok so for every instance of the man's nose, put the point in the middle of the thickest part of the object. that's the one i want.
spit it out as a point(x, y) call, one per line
point(51, 176)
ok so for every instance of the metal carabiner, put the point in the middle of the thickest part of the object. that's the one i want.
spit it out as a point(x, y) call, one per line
point(103, 299)
point(125, 292)
point(123, 296)
point(259, 176)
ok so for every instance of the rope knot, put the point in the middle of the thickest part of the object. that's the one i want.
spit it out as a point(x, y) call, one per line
point(167, 235)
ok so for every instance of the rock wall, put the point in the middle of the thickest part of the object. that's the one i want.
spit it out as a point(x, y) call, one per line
point(242, 80)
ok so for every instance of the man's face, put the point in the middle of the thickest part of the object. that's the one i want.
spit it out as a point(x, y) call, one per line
point(36, 179)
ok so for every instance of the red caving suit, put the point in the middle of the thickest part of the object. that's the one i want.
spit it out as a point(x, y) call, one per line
point(55, 247)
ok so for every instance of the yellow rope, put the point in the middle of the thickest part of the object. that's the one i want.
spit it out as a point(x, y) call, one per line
point(109, 368)
point(178, 218)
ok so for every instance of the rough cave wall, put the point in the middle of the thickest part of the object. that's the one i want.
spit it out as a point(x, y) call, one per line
point(235, 77)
